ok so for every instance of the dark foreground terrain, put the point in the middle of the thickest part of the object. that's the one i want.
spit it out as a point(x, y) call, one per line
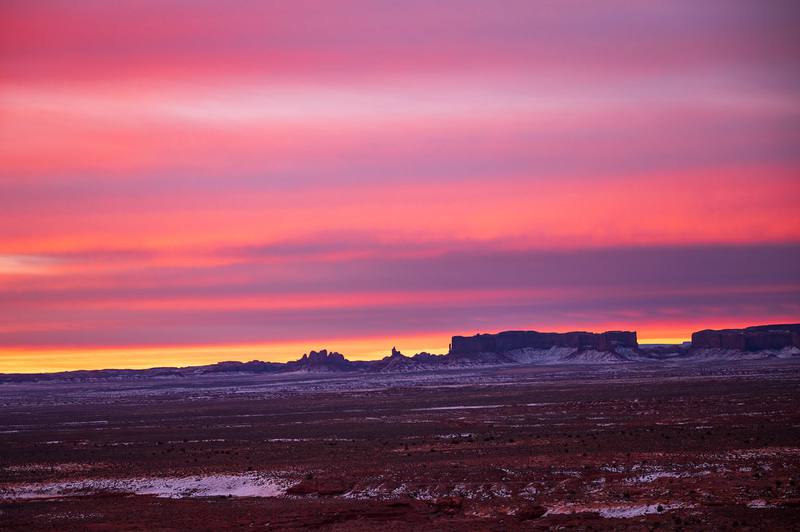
point(642, 446)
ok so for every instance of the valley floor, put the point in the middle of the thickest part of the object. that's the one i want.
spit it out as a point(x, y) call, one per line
point(640, 446)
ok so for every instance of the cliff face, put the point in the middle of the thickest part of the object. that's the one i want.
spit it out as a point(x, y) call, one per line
point(755, 338)
point(512, 340)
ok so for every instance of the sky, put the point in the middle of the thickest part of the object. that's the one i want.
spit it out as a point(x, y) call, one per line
point(183, 182)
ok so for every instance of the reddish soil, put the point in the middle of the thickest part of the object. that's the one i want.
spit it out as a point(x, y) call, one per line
point(640, 446)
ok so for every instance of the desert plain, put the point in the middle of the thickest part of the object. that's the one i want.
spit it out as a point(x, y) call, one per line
point(672, 446)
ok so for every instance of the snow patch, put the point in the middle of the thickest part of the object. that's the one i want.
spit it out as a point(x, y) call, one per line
point(616, 512)
point(459, 407)
point(759, 503)
point(69, 467)
point(652, 477)
point(236, 485)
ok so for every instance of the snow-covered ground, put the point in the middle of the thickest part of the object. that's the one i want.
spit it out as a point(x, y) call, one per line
point(616, 511)
point(251, 484)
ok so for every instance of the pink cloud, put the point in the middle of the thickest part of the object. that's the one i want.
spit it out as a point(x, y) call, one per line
point(241, 173)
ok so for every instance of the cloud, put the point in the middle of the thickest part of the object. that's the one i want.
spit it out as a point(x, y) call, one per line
point(351, 38)
point(26, 265)
point(474, 289)
point(211, 173)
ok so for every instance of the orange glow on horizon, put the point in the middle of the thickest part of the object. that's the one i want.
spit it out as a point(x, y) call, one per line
point(33, 360)
point(49, 360)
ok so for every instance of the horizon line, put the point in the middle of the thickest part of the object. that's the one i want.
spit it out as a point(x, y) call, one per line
point(51, 361)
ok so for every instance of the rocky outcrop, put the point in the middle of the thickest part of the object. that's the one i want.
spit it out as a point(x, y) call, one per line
point(321, 362)
point(396, 362)
point(509, 347)
point(508, 341)
point(429, 359)
point(254, 366)
point(756, 338)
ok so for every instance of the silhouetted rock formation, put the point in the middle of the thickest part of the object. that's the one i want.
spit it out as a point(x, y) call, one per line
point(254, 366)
point(321, 361)
point(509, 347)
point(396, 362)
point(756, 338)
point(513, 340)
point(428, 358)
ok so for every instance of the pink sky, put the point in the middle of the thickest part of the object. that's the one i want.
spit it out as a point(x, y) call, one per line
point(185, 182)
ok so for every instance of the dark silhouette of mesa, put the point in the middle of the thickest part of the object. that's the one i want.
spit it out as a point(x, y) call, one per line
point(511, 340)
point(507, 347)
point(759, 337)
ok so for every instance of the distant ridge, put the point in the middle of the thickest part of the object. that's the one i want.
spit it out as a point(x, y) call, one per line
point(512, 340)
point(507, 347)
